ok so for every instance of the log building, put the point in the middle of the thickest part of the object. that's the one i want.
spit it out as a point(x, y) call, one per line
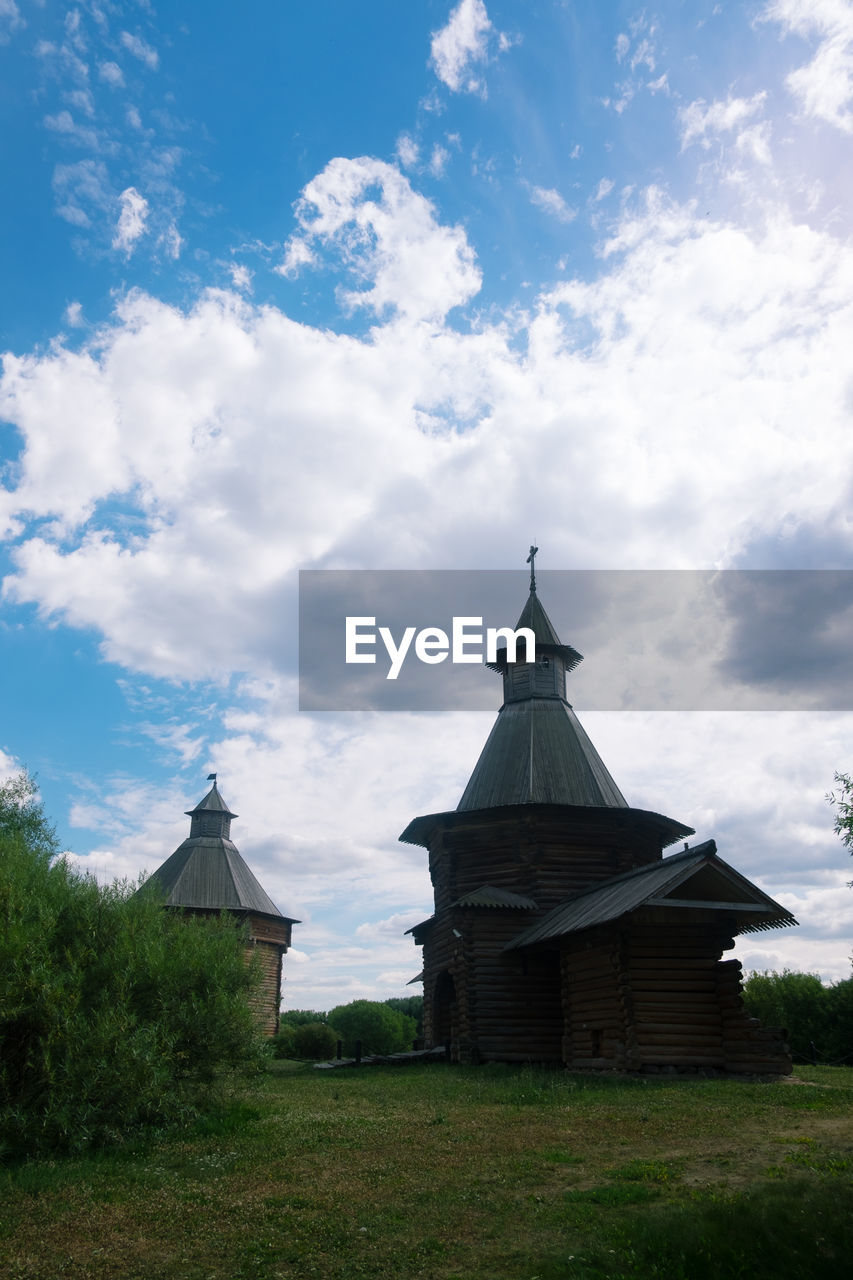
point(561, 933)
point(206, 875)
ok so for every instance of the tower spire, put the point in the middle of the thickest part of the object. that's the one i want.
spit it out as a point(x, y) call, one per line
point(531, 560)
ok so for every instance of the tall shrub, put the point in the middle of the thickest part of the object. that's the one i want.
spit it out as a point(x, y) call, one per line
point(114, 1013)
point(380, 1029)
point(315, 1040)
point(797, 1001)
point(412, 1006)
point(839, 1047)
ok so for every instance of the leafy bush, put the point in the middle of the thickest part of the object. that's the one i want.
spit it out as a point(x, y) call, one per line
point(412, 1006)
point(302, 1039)
point(114, 1013)
point(298, 1017)
point(379, 1028)
point(316, 1040)
point(283, 1044)
point(812, 1013)
point(839, 1042)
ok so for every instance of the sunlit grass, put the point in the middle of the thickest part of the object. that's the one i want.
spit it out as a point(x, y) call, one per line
point(436, 1171)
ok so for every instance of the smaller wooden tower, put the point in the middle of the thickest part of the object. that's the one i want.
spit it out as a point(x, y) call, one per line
point(206, 875)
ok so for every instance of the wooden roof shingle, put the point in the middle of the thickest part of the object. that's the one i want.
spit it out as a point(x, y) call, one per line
point(695, 878)
point(539, 753)
point(207, 872)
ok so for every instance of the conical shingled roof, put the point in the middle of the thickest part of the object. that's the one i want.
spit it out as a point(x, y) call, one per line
point(534, 617)
point(207, 872)
point(211, 803)
point(538, 752)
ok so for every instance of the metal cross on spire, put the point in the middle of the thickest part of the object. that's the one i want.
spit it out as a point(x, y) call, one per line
point(531, 560)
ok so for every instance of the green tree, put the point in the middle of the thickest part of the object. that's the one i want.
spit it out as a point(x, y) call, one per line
point(412, 1006)
point(283, 1044)
point(839, 1047)
point(380, 1029)
point(842, 801)
point(114, 1013)
point(316, 1040)
point(22, 818)
point(298, 1017)
point(799, 1002)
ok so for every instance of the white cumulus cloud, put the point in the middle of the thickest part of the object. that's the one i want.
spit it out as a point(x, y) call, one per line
point(140, 49)
point(131, 220)
point(823, 86)
point(250, 444)
point(461, 48)
point(700, 120)
point(10, 20)
point(367, 212)
point(112, 74)
point(550, 201)
point(407, 151)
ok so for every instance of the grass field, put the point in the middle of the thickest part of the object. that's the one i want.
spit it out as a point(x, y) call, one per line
point(443, 1172)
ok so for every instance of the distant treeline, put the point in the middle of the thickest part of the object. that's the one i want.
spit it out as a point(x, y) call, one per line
point(818, 1018)
point(386, 1026)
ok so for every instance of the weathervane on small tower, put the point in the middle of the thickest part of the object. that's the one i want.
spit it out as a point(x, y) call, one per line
point(531, 560)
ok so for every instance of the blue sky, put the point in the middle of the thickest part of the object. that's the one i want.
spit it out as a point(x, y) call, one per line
point(404, 286)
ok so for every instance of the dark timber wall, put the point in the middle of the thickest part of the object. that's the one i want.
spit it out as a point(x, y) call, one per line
point(654, 993)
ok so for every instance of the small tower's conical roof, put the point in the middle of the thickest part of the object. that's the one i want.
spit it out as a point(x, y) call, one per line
point(533, 615)
point(211, 803)
point(206, 872)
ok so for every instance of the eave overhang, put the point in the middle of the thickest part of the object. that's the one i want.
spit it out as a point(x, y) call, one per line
point(420, 830)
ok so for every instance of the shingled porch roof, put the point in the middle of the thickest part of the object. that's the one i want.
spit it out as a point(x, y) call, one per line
point(695, 879)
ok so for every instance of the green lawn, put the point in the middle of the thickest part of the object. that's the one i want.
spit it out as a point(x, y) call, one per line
point(443, 1172)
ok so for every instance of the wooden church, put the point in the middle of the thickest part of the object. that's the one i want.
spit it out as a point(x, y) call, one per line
point(561, 933)
point(206, 875)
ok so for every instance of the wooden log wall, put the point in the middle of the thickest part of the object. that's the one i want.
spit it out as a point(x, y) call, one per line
point(540, 854)
point(671, 967)
point(653, 992)
point(649, 991)
point(595, 1002)
point(514, 1006)
point(269, 938)
point(267, 999)
point(507, 1005)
